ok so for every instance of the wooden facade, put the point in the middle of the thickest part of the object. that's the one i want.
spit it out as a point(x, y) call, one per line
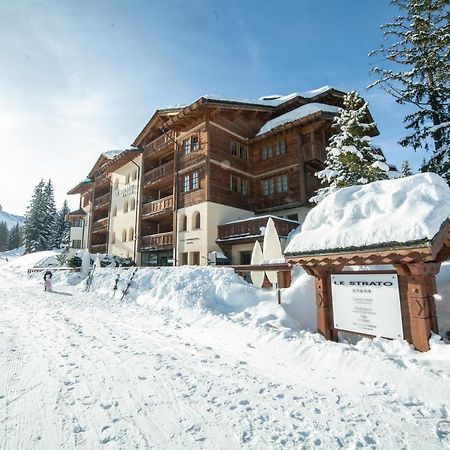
point(210, 151)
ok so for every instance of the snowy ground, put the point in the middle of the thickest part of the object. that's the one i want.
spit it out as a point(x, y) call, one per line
point(161, 370)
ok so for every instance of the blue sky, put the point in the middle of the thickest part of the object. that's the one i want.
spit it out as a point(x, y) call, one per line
point(81, 77)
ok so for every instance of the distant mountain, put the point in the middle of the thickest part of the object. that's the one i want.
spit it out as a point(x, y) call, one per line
point(10, 219)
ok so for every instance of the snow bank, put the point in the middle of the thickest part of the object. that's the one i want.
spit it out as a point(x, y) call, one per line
point(38, 259)
point(385, 212)
point(296, 114)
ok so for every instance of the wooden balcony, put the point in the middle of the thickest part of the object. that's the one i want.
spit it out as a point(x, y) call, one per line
point(159, 143)
point(99, 248)
point(157, 241)
point(250, 230)
point(102, 179)
point(158, 208)
point(100, 226)
point(102, 201)
point(158, 173)
point(314, 151)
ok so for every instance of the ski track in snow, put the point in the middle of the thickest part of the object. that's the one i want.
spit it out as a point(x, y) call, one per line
point(81, 372)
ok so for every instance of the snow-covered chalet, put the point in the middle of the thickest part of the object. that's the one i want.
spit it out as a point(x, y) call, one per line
point(199, 181)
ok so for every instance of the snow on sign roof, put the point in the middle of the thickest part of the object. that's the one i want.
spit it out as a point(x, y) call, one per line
point(111, 153)
point(296, 114)
point(400, 211)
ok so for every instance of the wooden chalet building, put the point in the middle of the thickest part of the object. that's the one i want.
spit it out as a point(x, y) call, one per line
point(199, 178)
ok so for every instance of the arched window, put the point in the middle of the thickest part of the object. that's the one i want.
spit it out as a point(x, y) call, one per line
point(113, 238)
point(132, 204)
point(134, 175)
point(131, 234)
point(124, 235)
point(125, 206)
point(183, 222)
point(195, 220)
point(114, 211)
point(116, 184)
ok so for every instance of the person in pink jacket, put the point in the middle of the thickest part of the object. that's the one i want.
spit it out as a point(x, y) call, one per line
point(48, 281)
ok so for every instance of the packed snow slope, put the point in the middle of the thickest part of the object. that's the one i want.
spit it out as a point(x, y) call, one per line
point(11, 219)
point(384, 212)
point(196, 358)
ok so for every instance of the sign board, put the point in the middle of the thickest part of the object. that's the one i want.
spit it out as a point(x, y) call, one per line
point(367, 304)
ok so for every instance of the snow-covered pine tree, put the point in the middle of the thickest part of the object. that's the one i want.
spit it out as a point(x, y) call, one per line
point(4, 236)
point(406, 169)
point(15, 237)
point(61, 226)
point(417, 71)
point(350, 157)
point(49, 215)
point(34, 238)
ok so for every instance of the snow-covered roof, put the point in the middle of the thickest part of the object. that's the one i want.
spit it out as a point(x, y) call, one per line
point(384, 213)
point(110, 154)
point(272, 100)
point(296, 114)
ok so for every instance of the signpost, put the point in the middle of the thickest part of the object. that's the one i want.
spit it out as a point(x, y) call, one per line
point(367, 304)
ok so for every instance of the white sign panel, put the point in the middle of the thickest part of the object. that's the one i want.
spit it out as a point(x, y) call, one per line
point(367, 304)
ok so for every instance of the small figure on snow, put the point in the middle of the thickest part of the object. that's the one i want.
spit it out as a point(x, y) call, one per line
point(48, 281)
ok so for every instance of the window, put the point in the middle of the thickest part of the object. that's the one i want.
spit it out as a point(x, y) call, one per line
point(186, 183)
point(125, 206)
point(245, 257)
point(114, 211)
point(195, 258)
point(266, 152)
point(116, 184)
point(196, 220)
point(267, 187)
point(127, 179)
point(132, 204)
point(238, 184)
point(238, 149)
point(113, 238)
point(280, 147)
point(282, 183)
point(131, 234)
point(194, 180)
point(184, 259)
point(134, 175)
point(278, 184)
point(124, 235)
point(191, 181)
point(292, 217)
point(187, 146)
point(76, 243)
point(194, 143)
point(183, 222)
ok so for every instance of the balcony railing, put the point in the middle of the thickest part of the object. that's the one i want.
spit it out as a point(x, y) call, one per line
point(158, 207)
point(100, 225)
point(252, 228)
point(98, 248)
point(157, 240)
point(103, 200)
point(102, 178)
point(160, 142)
point(158, 172)
point(314, 150)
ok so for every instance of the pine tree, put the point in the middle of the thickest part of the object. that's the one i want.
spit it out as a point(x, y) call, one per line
point(4, 236)
point(350, 157)
point(34, 237)
point(61, 227)
point(15, 237)
point(49, 215)
point(406, 169)
point(417, 72)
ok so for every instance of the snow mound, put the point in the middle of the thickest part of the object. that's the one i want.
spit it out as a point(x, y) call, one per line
point(389, 212)
point(39, 259)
